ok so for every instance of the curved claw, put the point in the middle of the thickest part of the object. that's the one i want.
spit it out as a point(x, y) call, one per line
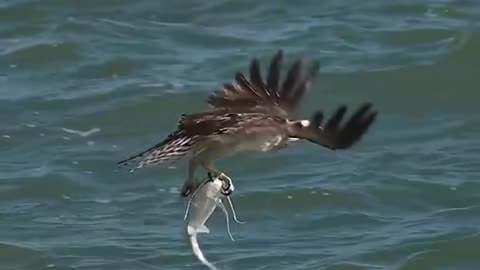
point(190, 188)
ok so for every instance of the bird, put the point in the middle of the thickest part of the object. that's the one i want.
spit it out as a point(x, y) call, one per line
point(255, 115)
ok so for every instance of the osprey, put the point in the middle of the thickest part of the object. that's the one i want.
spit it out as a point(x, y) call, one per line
point(254, 115)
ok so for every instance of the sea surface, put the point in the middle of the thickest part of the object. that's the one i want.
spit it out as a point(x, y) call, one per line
point(84, 84)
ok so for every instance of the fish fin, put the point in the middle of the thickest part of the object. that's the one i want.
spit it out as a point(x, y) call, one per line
point(201, 229)
point(191, 230)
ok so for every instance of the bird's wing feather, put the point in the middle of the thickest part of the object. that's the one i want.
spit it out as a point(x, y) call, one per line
point(225, 122)
point(271, 96)
point(173, 148)
point(333, 133)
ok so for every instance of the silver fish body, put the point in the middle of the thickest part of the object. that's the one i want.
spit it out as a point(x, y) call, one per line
point(201, 205)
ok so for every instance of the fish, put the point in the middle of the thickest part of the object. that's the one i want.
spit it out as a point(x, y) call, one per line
point(201, 205)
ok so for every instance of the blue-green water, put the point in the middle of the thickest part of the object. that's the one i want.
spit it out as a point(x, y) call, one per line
point(407, 197)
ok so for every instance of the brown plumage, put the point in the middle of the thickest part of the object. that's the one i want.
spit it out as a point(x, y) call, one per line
point(255, 115)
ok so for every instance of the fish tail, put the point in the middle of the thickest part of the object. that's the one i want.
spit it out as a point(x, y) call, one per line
point(198, 252)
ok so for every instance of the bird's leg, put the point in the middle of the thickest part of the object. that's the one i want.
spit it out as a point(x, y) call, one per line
point(190, 185)
point(213, 172)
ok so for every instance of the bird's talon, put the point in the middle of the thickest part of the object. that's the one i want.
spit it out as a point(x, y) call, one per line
point(190, 188)
point(227, 185)
point(185, 193)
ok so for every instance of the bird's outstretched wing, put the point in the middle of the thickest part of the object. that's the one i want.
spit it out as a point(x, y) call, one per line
point(271, 96)
point(335, 135)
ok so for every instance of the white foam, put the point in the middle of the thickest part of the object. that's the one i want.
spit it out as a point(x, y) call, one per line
point(173, 190)
point(104, 201)
point(82, 133)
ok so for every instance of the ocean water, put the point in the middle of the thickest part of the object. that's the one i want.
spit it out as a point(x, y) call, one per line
point(84, 84)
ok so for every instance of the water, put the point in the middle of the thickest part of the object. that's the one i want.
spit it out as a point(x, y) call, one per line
point(84, 84)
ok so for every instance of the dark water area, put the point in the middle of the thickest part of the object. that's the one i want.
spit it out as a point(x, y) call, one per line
point(84, 84)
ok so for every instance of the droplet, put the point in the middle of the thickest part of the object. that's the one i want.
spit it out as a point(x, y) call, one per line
point(289, 197)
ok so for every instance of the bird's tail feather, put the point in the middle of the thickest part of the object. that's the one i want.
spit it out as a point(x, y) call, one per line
point(173, 148)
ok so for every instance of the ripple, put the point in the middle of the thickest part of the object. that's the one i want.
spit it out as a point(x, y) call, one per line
point(51, 186)
point(110, 69)
point(40, 53)
point(82, 133)
point(13, 256)
point(405, 198)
